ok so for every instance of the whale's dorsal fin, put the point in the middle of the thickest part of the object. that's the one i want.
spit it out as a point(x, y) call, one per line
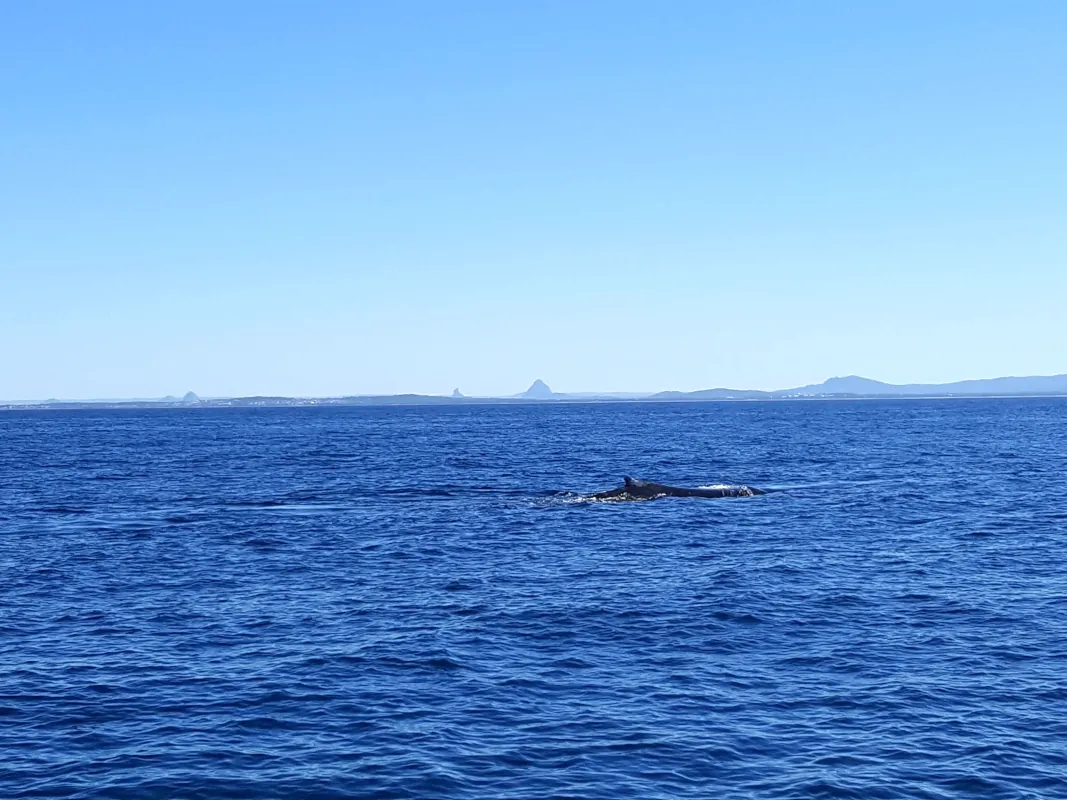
point(633, 483)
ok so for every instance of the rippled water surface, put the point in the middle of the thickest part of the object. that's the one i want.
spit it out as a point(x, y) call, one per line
point(412, 603)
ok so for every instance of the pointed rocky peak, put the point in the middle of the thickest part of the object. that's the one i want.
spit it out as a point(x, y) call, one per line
point(457, 393)
point(538, 391)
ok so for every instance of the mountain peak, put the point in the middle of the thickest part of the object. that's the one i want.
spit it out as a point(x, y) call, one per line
point(538, 391)
point(851, 383)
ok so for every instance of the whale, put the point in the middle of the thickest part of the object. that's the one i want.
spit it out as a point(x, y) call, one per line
point(634, 489)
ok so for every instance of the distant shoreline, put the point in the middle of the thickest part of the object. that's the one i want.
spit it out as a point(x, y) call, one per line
point(851, 387)
point(436, 400)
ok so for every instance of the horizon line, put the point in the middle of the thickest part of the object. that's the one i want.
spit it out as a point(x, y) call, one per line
point(547, 394)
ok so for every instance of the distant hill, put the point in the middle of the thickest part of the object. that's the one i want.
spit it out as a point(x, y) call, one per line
point(714, 394)
point(856, 386)
point(852, 384)
point(538, 391)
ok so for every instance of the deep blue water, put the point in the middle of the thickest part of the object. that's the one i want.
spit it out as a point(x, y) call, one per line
point(409, 603)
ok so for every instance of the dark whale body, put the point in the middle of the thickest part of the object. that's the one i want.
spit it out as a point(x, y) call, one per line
point(633, 489)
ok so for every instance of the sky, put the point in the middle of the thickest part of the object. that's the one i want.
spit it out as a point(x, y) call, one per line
point(329, 198)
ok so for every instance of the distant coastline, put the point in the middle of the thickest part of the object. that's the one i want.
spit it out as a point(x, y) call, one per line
point(847, 388)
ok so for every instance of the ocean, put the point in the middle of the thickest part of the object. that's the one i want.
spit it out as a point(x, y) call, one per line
point(415, 602)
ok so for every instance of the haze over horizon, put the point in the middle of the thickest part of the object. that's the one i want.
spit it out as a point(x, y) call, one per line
point(335, 199)
point(838, 385)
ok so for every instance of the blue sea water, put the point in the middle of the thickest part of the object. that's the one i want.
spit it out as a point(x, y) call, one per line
point(413, 602)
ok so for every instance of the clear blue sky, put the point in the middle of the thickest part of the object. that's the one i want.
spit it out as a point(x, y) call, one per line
point(315, 198)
